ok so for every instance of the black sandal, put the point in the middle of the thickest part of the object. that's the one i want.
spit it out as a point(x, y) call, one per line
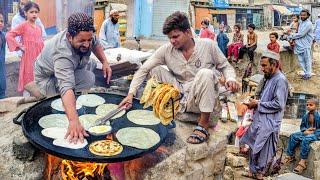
point(199, 139)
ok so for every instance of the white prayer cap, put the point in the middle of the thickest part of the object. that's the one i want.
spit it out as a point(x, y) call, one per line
point(113, 11)
point(271, 54)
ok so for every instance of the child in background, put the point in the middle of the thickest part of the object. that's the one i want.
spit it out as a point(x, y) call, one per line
point(32, 44)
point(237, 43)
point(293, 29)
point(2, 59)
point(251, 46)
point(309, 132)
point(205, 31)
point(223, 40)
point(273, 45)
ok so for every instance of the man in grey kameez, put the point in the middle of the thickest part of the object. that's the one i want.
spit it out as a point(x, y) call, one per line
point(60, 67)
point(263, 134)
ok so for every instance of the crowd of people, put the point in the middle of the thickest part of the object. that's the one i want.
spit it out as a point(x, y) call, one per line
point(196, 67)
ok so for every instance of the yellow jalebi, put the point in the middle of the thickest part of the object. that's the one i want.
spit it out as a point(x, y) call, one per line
point(163, 97)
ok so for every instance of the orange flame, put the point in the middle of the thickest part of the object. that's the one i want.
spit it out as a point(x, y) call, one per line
point(71, 170)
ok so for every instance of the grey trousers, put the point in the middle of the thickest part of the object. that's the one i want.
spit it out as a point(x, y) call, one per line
point(84, 80)
point(200, 95)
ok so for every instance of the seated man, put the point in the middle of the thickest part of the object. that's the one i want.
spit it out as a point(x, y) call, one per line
point(309, 132)
point(60, 67)
point(193, 68)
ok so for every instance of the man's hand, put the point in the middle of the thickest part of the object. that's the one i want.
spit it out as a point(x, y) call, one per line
point(232, 86)
point(253, 103)
point(307, 132)
point(107, 72)
point(127, 101)
point(75, 132)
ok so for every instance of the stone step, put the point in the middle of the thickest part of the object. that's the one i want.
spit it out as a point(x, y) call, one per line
point(291, 176)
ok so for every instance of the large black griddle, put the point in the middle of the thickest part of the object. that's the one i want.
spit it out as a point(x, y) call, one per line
point(32, 131)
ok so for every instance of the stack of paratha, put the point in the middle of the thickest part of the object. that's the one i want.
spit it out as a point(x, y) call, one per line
point(164, 98)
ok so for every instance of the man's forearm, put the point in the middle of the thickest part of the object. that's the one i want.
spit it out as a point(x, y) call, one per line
point(69, 103)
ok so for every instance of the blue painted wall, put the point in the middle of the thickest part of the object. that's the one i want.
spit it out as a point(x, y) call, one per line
point(143, 18)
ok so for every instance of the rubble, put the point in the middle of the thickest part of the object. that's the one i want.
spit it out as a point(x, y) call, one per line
point(235, 161)
point(233, 149)
point(10, 166)
point(228, 173)
point(22, 149)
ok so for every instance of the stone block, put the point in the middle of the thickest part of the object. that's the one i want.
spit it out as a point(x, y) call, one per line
point(195, 171)
point(228, 173)
point(219, 160)
point(291, 176)
point(197, 152)
point(178, 162)
point(208, 167)
point(316, 169)
point(233, 149)
point(235, 161)
point(22, 148)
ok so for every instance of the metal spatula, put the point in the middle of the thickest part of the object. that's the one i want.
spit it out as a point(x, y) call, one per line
point(111, 114)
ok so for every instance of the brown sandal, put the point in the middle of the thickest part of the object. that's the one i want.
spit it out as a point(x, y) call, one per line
point(288, 159)
point(300, 168)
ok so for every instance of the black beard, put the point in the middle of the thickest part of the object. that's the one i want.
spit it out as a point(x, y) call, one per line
point(267, 76)
point(80, 53)
point(21, 12)
point(114, 21)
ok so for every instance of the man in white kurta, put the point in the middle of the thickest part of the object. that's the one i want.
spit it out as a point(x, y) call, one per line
point(194, 66)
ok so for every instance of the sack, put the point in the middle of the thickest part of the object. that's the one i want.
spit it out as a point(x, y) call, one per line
point(275, 165)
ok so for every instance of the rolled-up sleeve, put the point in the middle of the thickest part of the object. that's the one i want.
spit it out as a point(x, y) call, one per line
point(64, 72)
point(158, 58)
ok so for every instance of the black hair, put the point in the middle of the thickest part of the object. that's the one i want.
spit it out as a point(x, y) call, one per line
point(314, 100)
point(306, 11)
point(238, 26)
point(296, 15)
point(205, 22)
point(80, 22)
point(30, 5)
point(274, 34)
point(252, 26)
point(177, 20)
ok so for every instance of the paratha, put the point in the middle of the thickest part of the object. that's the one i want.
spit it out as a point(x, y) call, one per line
point(138, 137)
point(65, 143)
point(90, 100)
point(104, 109)
point(54, 120)
point(57, 105)
point(54, 132)
point(105, 148)
point(143, 117)
point(100, 130)
point(88, 120)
